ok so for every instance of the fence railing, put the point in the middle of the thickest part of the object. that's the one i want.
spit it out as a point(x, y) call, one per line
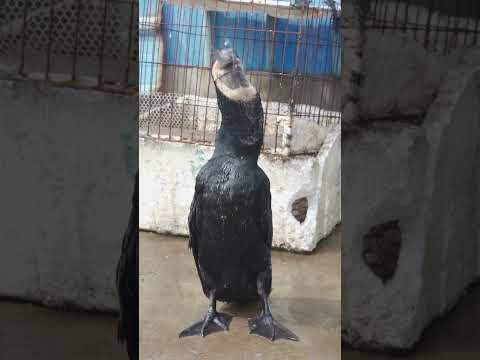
point(292, 56)
point(439, 25)
point(91, 43)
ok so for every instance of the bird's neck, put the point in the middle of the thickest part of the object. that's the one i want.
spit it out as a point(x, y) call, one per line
point(241, 132)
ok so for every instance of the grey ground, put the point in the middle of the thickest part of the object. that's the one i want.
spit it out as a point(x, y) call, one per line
point(172, 299)
point(305, 298)
point(31, 332)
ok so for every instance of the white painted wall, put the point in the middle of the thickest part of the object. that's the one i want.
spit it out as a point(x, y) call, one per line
point(427, 178)
point(65, 204)
point(167, 180)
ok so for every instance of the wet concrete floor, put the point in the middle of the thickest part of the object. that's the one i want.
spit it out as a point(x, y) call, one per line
point(33, 332)
point(305, 298)
point(453, 337)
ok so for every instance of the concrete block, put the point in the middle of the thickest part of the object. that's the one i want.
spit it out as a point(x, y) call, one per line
point(166, 191)
point(426, 179)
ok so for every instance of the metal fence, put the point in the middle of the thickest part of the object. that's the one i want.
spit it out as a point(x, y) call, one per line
point(441, 26)
point(292, 54)
point(91, 43)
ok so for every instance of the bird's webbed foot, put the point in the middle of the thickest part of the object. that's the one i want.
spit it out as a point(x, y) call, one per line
point(265, 325)
point(213, 322)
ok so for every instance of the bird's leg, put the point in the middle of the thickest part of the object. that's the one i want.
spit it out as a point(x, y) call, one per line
point(212, 323)
point(265, 325)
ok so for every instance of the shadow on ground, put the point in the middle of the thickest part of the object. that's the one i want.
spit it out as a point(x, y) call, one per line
point(33, 332)
point(305, 298)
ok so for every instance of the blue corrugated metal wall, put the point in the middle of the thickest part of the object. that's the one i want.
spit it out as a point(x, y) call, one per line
point(313, 52)
point(245, 33)
point(191, 33)
point(186, 35)
point(148, 46)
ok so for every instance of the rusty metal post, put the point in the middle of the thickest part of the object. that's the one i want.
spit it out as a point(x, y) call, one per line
point(49, 45)
point(102, 47)
point(129, 49)
point(24, 37)
point(75, 46)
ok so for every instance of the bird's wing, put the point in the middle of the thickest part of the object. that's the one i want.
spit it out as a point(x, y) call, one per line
point(193, 242)
point(127, 278)
point(266, 215)
point(192, 226)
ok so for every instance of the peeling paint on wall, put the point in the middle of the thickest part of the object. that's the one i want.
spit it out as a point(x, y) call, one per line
point(200, 159)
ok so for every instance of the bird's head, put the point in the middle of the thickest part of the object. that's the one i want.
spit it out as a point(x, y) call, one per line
point(229, 76)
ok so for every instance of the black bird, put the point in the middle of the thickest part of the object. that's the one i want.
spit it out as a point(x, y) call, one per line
point(230, 219)
point(127, 282)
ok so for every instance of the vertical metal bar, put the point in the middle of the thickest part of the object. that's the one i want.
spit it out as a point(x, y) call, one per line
point(304, 76)
point(292, 101)
point(175, 65)
point(374, 20)
point(212, 29)
point(264, 51)
point(245, 38)
point(24, 37)
point(405, 23)
point(49, 44)
point(102, 46)
point(475, 38)
point(429, 23)
point(447, 33)
point(152, 63)
point(155, 63)
point(324, 99)
point(457, 23)
point(208, 40)
point(292, 84)
point(467, 25)
point(76, 40)
point(129, 47)
point(271, 75)
point(337, 49)
point(236, 25)
point(385, 17)
point(185, 75)
point(143, 53)
point(395, 18)
point(437, 31)
point(318, 48)
point(417, 21)
point(224, 39)
point(200, 71)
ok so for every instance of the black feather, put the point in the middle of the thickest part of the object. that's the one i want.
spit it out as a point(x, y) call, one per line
point(127, 282)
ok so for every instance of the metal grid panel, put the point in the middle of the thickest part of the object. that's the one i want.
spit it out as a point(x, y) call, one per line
point(440, 25)
point(62, 35)
point(294, 53)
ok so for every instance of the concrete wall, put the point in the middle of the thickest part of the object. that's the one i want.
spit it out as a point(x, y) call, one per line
point(167, 178)
point(426, 178)
point(68, 161)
